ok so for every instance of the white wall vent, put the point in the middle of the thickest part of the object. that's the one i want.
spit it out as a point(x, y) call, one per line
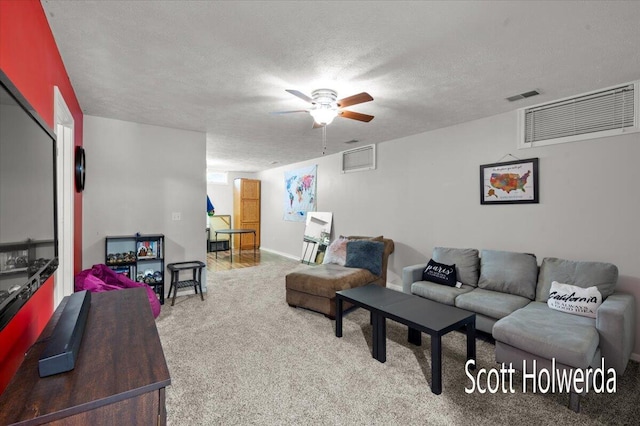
point(606, 112)
point(359, 159)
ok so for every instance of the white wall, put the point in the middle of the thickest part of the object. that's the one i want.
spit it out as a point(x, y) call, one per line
point(425, 192)
point(221, 195)
point(137, 176)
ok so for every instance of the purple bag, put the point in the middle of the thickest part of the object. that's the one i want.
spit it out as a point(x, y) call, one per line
point(102, 278)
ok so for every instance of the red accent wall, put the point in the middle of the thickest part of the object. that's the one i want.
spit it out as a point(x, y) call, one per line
point(29, 57)
point(18, 336)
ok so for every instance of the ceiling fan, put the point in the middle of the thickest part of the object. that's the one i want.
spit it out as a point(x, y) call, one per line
point(324, 106)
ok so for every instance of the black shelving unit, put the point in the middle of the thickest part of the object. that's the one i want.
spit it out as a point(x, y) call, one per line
point(139, 257)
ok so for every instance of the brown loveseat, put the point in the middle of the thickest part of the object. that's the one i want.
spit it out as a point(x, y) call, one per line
point(315, 287)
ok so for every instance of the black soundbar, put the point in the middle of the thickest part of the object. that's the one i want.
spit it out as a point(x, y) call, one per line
point(64, 343)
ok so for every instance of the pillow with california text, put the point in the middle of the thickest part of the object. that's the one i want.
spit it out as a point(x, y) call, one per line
point(574, 300)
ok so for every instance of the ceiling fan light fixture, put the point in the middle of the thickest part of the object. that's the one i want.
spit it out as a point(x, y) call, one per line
point(325, 106)
point(324, 114)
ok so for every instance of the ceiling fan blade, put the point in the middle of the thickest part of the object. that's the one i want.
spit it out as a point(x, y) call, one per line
point(355, 99)
point(355, 116)
point(288, 112)
point(300, 95)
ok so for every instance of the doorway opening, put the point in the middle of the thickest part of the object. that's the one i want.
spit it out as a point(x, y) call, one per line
point(63, 129)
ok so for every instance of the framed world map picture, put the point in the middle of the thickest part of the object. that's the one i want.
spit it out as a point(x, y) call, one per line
point(511, 182)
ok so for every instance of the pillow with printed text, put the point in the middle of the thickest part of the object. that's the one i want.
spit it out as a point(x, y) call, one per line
point(440, 273)
point(574, 300)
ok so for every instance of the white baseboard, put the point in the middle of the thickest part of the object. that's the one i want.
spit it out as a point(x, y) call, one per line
point(281, 253)
point(635, 357)
point(394, 287)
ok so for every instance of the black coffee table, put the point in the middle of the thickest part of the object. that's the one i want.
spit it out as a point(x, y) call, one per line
point(419, 314)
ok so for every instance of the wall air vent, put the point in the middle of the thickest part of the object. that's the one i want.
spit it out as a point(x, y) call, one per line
point(359, 159)
point(606, 112)
point(524, 95)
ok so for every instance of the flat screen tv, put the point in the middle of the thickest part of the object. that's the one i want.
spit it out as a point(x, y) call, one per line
point(28, 235)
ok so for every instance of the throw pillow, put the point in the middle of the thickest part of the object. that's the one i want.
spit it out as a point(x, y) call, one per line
point(574, 300)
point(440, 273)
point(359, 237)
point(336, 252)
point(365, 254)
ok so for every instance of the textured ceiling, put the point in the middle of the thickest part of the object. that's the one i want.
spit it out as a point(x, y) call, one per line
point(221, 67)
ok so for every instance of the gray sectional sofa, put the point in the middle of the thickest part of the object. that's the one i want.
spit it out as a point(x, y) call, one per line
point(508, 292)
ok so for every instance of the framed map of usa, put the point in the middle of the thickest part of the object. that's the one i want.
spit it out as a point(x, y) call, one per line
point(512, 182)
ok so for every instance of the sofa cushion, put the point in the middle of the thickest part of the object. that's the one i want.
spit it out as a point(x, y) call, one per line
point(325, 280)
point(570, 339)
point(466, 260)
point(365, 254)
point(583, 274)
point(440, 273)
point(439, 293)
point(574, 300)
point(336, 252)
point(509, 272)
point(493, 304)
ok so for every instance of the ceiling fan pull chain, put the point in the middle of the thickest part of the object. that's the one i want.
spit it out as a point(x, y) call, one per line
point(324, 139)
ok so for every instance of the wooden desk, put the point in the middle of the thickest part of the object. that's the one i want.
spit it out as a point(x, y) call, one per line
point(119, 378)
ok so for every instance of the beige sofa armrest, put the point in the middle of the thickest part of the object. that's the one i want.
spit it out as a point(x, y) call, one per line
point(616, 322)
point(411, 274)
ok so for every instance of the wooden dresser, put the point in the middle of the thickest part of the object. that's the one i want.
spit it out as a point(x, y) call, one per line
point(246, 211)
point(119, 378)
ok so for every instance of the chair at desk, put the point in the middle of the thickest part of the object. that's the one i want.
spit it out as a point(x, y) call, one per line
point(219, 242)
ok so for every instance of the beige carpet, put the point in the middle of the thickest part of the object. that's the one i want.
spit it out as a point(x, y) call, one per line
point(243, 356)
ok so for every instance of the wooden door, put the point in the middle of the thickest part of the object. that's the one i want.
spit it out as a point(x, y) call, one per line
point(246, 206)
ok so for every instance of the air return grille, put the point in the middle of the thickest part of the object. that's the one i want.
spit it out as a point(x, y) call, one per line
point(523, 96)
point(597, 114)
point(359, 159)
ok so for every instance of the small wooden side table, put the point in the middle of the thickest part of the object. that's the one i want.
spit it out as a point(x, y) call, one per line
point(196, 280)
